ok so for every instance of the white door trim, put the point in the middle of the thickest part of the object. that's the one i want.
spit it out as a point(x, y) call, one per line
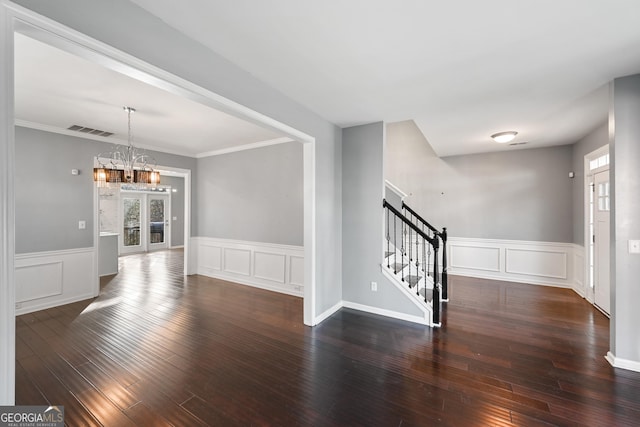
point(7, 220)
point(588, 179)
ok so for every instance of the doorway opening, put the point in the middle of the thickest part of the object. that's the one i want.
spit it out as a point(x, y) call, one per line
point(143, 219)
point(597, 228)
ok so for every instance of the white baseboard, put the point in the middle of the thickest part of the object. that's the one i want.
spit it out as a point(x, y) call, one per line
point(387, 313)
point(539, 263)
point(274, 267)
point(327, 313)
point(617, 362)
point(374, 310)
point(49, 279)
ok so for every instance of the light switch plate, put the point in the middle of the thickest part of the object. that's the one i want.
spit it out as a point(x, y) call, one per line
point(82, 225)
point(634, 246)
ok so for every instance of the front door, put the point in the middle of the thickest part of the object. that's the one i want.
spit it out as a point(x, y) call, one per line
point(602, 207)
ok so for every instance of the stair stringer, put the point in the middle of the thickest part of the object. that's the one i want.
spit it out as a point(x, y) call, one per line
point(425, 308)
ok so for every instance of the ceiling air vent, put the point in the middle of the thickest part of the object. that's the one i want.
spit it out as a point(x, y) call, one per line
point(91, 131)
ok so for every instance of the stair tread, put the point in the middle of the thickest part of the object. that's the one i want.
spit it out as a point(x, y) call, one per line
point(429, 293)
point(412, 280)
point(398, 266)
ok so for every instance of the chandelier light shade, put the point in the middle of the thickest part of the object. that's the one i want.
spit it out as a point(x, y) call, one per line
point(126, 164)
point(100, 174)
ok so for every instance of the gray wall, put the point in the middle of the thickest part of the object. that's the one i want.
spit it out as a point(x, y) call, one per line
point(153, 41)
point(594, 140)
point(362, 219)
point(254, 195)
point(177, 208)
point(49, 200)
point(513, 195)
point(625, 206)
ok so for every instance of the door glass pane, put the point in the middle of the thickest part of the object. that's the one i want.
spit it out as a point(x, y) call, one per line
point(131, 223)
point(156, 223)
point(603, 197)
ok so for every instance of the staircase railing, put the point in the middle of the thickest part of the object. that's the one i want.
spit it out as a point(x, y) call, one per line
point(396, 223)
point(415, 218)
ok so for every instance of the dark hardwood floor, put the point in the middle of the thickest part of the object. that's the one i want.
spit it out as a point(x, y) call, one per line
point(157, 348)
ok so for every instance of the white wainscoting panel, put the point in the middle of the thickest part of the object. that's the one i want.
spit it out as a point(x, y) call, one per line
point(579, 270)
point(210, 257)
point(269, 266)
point(50, 279)
point(475, 257)
point(237, 261)
point(38, 281)
point(535, 262)
point(296, 270)
point(278, 268)
point(540, 263)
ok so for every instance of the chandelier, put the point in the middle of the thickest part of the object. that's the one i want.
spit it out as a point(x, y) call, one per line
point(126, 164)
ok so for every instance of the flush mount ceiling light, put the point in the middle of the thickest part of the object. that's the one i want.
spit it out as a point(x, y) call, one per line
point(127, 164)
point(504, 137)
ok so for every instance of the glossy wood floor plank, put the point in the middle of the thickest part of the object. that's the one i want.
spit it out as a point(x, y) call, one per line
point(157, 348)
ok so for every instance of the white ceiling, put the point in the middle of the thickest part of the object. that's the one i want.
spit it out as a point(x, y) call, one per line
point(461, 69)
point(55, 89)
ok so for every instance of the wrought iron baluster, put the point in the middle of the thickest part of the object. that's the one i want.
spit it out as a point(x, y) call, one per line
point(409, 244)
point(403, 251)
point(417, 257)
point(424, 260)
point(445, 274)
point(388, 254)
point(428, 255)
point(436, 286)
point(395, 246)
point(425, 279)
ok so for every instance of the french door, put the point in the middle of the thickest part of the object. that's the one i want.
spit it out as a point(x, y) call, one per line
point(144, 222)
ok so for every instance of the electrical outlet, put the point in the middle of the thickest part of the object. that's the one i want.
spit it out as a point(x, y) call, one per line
point(634, 246)
point(82, 225)
point(374, 286)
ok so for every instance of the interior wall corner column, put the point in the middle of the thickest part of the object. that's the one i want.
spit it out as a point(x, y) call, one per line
point(624, 131)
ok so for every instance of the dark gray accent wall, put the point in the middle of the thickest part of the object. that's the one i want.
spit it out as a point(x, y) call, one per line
point(512, 195)
point(49, 199)
point(177, 208)
point(253, 195)
point(625, 205)
point(597, 138)
point(362, 219)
